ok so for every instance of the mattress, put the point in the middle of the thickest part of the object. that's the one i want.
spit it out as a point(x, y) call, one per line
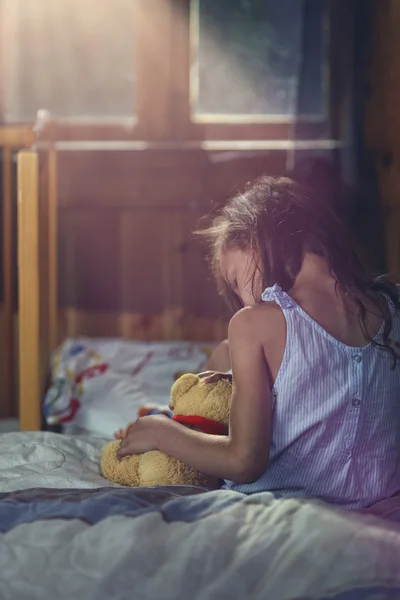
point(98, 385)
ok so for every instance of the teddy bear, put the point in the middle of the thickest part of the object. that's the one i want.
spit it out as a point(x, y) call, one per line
point(195, 404)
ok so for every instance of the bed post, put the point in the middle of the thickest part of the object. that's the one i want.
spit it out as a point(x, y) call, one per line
point(29, 291)
point(11, 139)
point(52, 248)
point(8, 322)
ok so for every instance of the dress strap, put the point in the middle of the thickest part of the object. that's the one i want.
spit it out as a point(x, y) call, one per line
point(276, 294)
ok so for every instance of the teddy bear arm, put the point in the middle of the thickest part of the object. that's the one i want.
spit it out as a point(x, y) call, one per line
point(125, 471)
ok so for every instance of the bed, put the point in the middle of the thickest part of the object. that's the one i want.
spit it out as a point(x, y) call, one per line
point(67, 532)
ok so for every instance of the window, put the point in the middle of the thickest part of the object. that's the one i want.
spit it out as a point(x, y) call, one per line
point(71, 57)
point(176, 70)
point(250, 61)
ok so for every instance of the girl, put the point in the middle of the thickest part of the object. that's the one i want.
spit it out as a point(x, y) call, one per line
point(314, 350)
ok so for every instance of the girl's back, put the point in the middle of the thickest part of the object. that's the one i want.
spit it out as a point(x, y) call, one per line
point(335, 398)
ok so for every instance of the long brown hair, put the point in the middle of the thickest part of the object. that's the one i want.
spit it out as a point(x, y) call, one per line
point(279, 220)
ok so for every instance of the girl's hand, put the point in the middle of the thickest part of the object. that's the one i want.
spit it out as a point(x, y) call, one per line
point(214, 376)
point(142, 435)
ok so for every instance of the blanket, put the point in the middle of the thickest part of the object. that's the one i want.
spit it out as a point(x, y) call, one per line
point(65, 532)
point(161, 544)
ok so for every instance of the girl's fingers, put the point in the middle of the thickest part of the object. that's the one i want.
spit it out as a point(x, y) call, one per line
point(206, 374)
point(209, 377)
point(213, 377)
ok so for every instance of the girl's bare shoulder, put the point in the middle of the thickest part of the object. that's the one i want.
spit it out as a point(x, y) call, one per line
point(261, 321)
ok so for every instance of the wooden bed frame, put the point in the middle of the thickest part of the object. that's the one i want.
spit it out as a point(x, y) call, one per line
point(42, 324)
point(37, 279)
point(12, 138)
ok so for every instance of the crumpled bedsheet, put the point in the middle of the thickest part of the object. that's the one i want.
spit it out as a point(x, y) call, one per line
point(42, 459)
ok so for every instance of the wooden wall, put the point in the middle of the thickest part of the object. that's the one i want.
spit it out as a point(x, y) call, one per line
point(129, 264)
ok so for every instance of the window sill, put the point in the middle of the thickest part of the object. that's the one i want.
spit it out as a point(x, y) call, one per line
point(206, 146)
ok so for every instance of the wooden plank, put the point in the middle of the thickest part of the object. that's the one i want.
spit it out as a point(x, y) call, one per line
point(152, 67)
point(53, 249)
point(103, 186)
point(180, 71)
point(142, 255)
point(2, 63)
point(258, 131)
point(392, 240)
point(382, 122)
point(89, 258)
point(199, 300)
point(16, 137)
point(340, 69)
point(184, 179)
point(137, 326)
point(44, 267)
point(82, 132)
point(29, 292)
point(8, 323)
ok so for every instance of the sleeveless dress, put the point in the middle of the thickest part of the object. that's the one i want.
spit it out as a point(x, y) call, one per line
point(335, 417)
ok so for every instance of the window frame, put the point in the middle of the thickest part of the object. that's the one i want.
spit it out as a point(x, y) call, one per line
point(162, 66)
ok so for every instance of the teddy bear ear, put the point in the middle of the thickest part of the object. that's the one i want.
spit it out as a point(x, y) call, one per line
point(182, 386)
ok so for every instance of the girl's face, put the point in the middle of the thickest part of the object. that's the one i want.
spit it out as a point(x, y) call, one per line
point(239, 269)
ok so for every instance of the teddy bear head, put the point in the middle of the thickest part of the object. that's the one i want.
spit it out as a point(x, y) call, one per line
point(190, 395)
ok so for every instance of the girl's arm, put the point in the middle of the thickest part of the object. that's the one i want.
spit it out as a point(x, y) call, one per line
point(219, 359)
point(243, 455)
